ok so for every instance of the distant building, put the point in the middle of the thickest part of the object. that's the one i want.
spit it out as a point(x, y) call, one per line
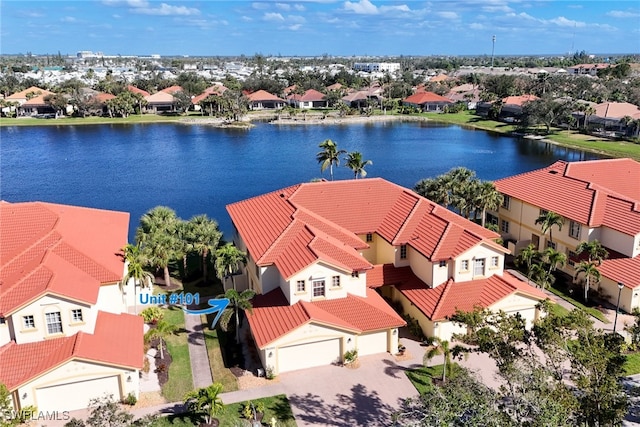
point(372, 67)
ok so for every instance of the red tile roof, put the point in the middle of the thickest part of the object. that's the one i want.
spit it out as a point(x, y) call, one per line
point(519, 100)
point(273, 317)
point(217, 90)
point(625, 270)
point(425, 98)
point(617, 110)
point(595, 193)
point(68, 251)
point(321, 220)
point(117, 341)
point(171, 90)
point(442, 301)
point(312, 95)
point(263, 95)
point(103, 97)
point(33, 89)
point(134, 89)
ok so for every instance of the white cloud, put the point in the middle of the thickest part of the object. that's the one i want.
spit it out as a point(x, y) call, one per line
point(561, 21)
point(68, 19)
point(166, 10)
point(295, 27)
point(296, 19)
point(477, 26)
point(363, 7)
point(246, 18)
point(299, 7)
point(259, 5)
point(448, 15)
point(283, 6)
point(273, 16)
point(399, 8)
point(116, 16)
point(623, 14)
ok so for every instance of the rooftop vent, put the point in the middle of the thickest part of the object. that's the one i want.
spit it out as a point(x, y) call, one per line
point(554, 172)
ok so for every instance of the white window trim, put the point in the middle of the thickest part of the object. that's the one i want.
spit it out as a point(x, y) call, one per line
point(30, 328)
point(304, 286)
point(462, 268)
point(313, 288)
point(46, 321)
point(73, 320)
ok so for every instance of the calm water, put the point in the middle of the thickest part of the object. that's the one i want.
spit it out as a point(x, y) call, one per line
point(199, 169)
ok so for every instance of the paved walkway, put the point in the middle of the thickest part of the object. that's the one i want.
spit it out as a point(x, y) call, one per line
point(200, 366)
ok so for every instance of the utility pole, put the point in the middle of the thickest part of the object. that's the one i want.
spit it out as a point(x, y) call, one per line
point(493, 49)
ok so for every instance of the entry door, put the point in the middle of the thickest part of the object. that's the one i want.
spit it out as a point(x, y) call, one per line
point(478, 267)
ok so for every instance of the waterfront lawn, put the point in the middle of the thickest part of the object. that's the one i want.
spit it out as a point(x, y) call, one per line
point(589, 310)
point(134, 118)
point(468, 118)
point(221, 373)
point(180, 381)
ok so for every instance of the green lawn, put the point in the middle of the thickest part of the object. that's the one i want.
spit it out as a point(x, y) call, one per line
point(589, 310)
point(632, 365)
point(558, 310)
point(135, 118)
point(180, 381)
point(422, 378)
point(275, 406)
point(219, 371)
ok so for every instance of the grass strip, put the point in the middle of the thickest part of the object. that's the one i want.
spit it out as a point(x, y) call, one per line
point(589, 310)
point(180, 381)
point(219, 372)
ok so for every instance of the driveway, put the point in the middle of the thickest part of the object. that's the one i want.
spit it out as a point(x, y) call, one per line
point(339, 396)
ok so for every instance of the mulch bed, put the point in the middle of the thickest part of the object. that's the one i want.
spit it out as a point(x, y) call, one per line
point(162, 364)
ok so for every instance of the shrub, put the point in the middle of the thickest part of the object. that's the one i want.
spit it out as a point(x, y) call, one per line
point(131, 399)
point(351, 356)
point(152, 314)
point(270, 374)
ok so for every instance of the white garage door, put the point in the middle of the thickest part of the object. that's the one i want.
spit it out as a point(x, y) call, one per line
point(303, 356)
point(76, 395)
point(373, 343)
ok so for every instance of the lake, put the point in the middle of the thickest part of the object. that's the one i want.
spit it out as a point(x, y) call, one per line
point(198, 169)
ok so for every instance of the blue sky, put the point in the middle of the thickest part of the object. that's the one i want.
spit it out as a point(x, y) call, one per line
point(316, 27)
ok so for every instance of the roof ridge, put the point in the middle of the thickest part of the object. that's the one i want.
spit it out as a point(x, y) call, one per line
point(280, 237)
point(448, 285)
point(412, 213)
point(444, 234)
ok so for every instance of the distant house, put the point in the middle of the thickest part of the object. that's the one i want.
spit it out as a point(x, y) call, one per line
point(310, 99)
point(427, 101)
point(261, 100)
point(216, 89)
point(134, 89)
point(587, 69)
point(608, 118)
point(36, 106)
point(467, 93)
point(65, 336)
point(160, 102)
point(512, 106)
point(27, 94)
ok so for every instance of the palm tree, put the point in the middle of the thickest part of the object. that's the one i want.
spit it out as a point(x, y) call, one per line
point(135, 260)
point(237, 301)
point(329, 156)
point(547, 220)
point(487, 197)
point(204, 238)
point(356, 164)
point(156, 236)
point(554, 259)
point(206, 401)
point(162, 330)
point(434, 189)
point(228, 261)
point(439, 347)
point(528, 257)
point(590, 271)
point(596, 252)
point(542, 277)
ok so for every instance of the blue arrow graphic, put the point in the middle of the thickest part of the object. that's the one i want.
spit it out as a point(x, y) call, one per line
point(216, 305)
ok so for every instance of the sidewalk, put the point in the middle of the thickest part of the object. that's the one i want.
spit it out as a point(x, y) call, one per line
point(200, 366)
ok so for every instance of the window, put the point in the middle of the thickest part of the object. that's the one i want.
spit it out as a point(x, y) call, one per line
point(318, 288)
point(478, 267)
point(28, 322)
point(492, 219)
point(54, 323)
point(369, 237)
point(355, 274)
point(76, 315)
point(504, 226)
point(403, 251)
point(494, 262)
point(506, 201)
point(574, 229)
point(572, 257)
point(543, 212)
point(335, 281)
point(551, 244)
point(443, 263)
point(301, 286)
point(464, 265)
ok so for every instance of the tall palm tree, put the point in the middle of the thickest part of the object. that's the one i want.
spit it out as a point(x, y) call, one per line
point(595, 251)
point(229, 259)
point(547, 220)
point(554, 259)
point(590, 271)
point(356, 164)
point(162, 330)
point(204, 238)
point(487, 197)
point(434, 189)
point(542, 277)
point(156, 236)
point(206, 400)
point(527, 257)
point(135, 260)
point(329, 156)
point(439, 347)
point(237, 301)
